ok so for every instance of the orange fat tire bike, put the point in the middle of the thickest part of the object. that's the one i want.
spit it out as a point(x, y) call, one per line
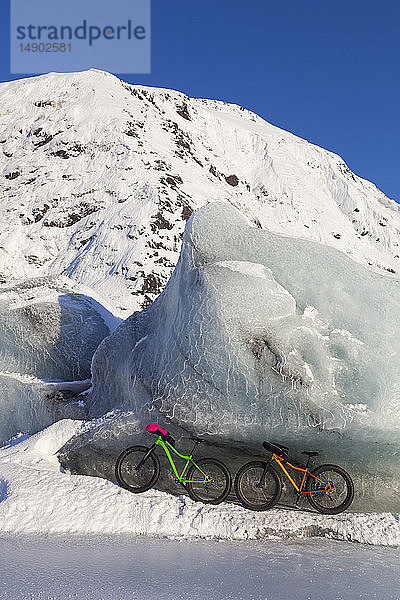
point(258, 484)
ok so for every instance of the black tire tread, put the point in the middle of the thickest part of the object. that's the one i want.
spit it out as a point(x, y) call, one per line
point(228, 486)
point(118, 464)
point(241, 497)
point(350, 492)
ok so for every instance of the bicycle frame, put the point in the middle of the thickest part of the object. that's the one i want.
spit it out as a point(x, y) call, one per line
point(299, 489)
point(166, 446)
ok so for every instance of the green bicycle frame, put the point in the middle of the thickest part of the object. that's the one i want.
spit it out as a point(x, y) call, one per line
point(166, 446)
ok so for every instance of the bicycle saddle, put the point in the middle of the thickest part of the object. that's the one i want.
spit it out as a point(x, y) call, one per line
point(310, 453)
point(198, 440)
point(276, 448)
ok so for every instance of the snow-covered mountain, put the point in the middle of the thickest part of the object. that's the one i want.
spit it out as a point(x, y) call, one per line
point(98, 178)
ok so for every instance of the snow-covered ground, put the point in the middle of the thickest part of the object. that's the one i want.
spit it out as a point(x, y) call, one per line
point(37, 497)
point(127, 568)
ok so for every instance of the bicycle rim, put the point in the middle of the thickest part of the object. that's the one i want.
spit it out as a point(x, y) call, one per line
point(133, 478)
point(217, 486)
point(254, 492)
point(336, 499)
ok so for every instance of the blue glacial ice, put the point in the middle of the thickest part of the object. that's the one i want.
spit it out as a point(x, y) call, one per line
point(260, 336)
point(48, 334)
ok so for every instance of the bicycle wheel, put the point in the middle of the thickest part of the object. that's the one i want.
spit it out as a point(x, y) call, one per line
point(249, 491)
point(217, 486)
point(129, 476)
point(338, 498)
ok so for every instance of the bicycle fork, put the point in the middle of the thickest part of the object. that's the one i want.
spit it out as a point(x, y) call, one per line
point(145, 457)
point(261, 483)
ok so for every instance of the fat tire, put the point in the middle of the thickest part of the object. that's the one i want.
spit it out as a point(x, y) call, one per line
point(243, 495)
point(313, 499)
point(203, 464)
point(153, 477)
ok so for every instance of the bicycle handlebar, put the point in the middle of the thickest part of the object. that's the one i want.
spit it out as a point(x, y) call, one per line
point(154, 428)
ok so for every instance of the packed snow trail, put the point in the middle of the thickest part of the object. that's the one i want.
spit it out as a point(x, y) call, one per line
point(126, 568)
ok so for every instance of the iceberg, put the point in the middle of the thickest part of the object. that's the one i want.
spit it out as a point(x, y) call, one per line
point(261, 336)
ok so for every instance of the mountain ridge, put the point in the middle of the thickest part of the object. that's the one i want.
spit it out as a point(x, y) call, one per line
point(98, 178)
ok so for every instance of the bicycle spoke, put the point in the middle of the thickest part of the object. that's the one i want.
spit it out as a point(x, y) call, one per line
point(337, 493)
point(257, 489)
point(213, 483)
point(332, 491)
point(134, 475)
point(210, 482)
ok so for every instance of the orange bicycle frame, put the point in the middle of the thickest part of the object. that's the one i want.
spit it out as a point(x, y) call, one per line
point(299, 489)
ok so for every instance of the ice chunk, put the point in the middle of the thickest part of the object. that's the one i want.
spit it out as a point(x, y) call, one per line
point(48, 333)
point(260, 336)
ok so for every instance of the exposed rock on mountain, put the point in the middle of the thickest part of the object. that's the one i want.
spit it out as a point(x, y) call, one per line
point(280, 318)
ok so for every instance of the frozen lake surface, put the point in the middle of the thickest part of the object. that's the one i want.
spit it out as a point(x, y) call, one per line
point(135, 568)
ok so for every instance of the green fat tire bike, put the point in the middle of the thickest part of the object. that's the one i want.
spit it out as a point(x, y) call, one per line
point(138, 468)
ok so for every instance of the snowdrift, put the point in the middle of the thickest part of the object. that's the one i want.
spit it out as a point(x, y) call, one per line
point(37, 497)
point(259, 336)
point(256, 335)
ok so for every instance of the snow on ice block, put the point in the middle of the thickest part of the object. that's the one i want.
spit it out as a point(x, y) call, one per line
point(260, 336)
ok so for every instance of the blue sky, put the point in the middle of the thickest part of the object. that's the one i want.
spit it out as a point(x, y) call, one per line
point(326, 71)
